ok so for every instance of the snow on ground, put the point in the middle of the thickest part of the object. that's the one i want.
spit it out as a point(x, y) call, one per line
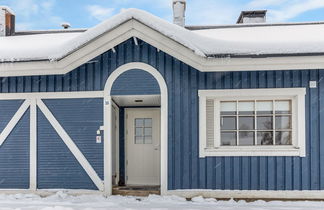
point(62, 201)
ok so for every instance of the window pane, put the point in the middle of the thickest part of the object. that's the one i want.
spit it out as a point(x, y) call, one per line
point(228, 138)
point(283, 138)
point(228, 108)
point(138, 131)
point(228, 123)
point(283, 122)
point(246, 138)
point(139, 140)
point(139, 122)
point(246, 123)
point(264, 138)
point(264, 107)
point(147, 131)
point(283, 107)
point(148, 139)
point(264, 123)
point(148, 122)
point(246, 107)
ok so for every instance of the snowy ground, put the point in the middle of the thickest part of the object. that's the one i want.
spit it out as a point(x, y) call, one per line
point(61, 201)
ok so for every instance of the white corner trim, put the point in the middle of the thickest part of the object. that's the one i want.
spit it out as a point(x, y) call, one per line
point(164, 122)
point(71, 145)
point(134, 28)
point(250, 194)
point(14, 120)
point(33, 146)
point(296, 95)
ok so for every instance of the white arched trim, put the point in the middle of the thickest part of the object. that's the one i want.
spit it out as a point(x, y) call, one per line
point(108, 118)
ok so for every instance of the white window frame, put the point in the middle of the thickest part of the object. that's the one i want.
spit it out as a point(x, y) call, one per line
point(297, 97)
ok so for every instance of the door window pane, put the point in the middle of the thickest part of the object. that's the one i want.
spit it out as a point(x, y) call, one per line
point(228, 108)
point(246, 107)
point(246, 138)
point(283, 138)
point(246, 123)
point(264, 123)
point(139, 122)
point(138, 131)
point(283, 107)
point(283, 122)
point(139, 140)
point(143, 131)
point(228, 138)
point(264, 107)
point(265, 138)
point(148, 139)
point(228, 123)
point(148, 122)
point(147, 131)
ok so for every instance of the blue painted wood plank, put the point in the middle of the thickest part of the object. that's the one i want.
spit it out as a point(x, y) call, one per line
point(288, 174)
point(185, 126)
point(314, 129)
point(296, 160)
point(306, 161)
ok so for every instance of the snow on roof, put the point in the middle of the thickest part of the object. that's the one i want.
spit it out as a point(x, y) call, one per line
point(267, 39)
point(33, 47)
point(207, 42)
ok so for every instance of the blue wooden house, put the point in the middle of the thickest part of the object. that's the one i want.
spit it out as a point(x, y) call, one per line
point(219, 111)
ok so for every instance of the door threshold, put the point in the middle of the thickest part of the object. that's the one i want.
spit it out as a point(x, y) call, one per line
point(132, 190)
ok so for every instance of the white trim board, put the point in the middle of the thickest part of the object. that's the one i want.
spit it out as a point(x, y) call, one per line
point(52, 95)
point(33, 145)
point(251, 194)
point(107, 125)
point(134, 28)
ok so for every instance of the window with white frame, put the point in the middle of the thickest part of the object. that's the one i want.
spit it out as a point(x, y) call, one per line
point(252, 122)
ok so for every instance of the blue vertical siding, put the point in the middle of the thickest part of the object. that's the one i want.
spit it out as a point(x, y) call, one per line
point(81, 118)
point(185, 169)
point(56, 166)
point(14, 152)
point(135, 82)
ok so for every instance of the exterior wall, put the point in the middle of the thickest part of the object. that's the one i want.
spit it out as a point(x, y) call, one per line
point(185, 169)
point(57, 167)
point(14, 152)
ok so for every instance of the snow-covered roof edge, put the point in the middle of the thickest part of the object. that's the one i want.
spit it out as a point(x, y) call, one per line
point(166, 28)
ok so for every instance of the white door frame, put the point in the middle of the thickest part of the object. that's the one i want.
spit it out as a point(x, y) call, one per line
point(108, 118)
point(117, 141)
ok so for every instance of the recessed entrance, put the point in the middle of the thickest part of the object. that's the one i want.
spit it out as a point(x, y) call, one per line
point(136, 145)
point(148, 100)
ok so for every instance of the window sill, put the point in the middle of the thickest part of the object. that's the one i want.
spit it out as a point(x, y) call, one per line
point(253, 151)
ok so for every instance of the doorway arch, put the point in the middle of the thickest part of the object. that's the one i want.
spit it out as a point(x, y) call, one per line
point(108, 119)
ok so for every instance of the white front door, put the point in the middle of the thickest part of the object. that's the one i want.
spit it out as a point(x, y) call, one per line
point(143, 146)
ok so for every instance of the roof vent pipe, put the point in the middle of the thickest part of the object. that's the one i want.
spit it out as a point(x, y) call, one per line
point(66, 25)
point(179, 9)
point(7, 21)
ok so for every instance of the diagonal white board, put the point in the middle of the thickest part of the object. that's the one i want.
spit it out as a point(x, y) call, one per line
point(14, 120)
point(71, 145)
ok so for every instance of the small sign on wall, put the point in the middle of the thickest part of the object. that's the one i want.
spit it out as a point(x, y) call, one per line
point(98, 139)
